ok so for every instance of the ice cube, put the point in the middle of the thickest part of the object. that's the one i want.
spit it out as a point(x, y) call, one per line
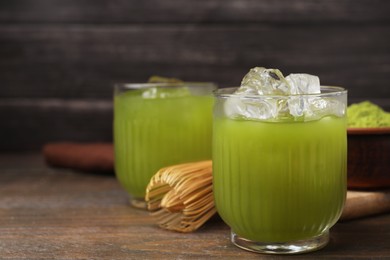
point(258, 81)
point(303, 84)
point(262, 81)
point(312, 108)
point(297, 105)
point(320, 107)
point(291, 97)
point(250, 108)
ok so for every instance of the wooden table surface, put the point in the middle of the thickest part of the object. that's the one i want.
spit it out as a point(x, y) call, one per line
point(48, 213)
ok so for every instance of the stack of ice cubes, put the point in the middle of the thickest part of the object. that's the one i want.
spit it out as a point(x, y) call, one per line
point(265, 94)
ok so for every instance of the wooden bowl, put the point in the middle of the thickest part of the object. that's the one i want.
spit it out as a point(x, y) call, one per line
point(368, 158)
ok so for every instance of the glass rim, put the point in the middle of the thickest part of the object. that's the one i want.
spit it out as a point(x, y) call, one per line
point(329, 91)
point(146, 85)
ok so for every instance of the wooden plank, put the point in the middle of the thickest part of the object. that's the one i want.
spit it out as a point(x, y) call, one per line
point(365, 203)
point(29, 124)
point(84, 61)
point(199, 11)
point(61, 214)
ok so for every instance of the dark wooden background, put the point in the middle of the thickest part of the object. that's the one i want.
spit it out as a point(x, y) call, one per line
point(60, 58)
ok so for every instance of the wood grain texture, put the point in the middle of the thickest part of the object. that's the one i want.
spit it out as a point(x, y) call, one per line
point(365, 203)
point(77, 49)
point(168, 11)
point(29, 124)
point(85, 61)
point(60, 214)
point(368, 161)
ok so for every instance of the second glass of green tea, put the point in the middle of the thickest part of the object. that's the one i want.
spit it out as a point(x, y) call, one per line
point(158, 125)
point(279, 180)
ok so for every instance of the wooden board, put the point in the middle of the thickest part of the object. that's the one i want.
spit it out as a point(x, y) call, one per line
point(29, 124)
point(48, 213)
point(84, 61)
point(77, 49)
point(366, 203)
point(174, 11)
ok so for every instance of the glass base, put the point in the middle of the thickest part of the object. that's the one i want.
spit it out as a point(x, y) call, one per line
point(293, 247)
point(138, 203)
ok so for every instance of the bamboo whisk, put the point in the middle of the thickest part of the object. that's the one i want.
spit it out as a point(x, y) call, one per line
point(180, 197)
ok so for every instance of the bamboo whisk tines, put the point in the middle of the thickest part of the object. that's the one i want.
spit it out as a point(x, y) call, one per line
point(180, 197)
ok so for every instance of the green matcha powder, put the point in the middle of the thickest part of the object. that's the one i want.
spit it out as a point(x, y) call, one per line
point(367, 114)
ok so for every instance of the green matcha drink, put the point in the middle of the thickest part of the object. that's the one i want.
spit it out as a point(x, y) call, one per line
point(279, 162)
point(157, 125)
point(279, 182)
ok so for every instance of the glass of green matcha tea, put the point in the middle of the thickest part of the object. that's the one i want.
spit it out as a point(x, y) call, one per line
point(279, 161)
point(158, 125)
